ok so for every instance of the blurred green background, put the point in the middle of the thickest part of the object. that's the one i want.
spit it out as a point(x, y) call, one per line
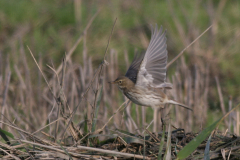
point(50, 29)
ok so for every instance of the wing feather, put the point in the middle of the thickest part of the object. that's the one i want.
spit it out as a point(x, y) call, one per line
point(153, 68)
point(132, 72)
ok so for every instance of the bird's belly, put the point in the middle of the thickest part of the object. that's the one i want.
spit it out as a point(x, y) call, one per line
point(146, 99)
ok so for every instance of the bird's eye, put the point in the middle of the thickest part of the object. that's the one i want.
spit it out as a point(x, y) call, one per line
point(120, 82)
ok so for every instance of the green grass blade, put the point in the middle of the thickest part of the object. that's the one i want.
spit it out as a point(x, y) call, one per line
point(5, 134)
point(191, 146)
point(207, 149)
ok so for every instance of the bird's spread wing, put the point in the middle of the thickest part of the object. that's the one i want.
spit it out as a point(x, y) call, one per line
point(153, 68)
point(134, 67)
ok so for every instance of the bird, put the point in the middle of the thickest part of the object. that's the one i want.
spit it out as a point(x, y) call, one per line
point(145, 79)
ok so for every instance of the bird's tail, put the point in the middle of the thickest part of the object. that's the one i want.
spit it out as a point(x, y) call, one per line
point(180, 104)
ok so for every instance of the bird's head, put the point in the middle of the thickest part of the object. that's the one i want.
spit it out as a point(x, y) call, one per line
point(123, 82)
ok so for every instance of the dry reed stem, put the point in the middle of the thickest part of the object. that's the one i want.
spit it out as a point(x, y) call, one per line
point(55, 149)
point(9, 154)
point(112, 152)
point(12, 148)
point(48, 125)
point(148, 126)
point(85, 148)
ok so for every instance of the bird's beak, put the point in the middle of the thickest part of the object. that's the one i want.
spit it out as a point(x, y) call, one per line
point(113, 82)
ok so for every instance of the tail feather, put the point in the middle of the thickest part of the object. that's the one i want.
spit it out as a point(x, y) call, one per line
point(180, 104)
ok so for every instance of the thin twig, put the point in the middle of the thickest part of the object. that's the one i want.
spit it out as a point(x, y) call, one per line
point(174, 59)
point(148, 126)
point(127, 101)
point(52, 68)
point(47, 125)
point(41, 72)
point(109, 39)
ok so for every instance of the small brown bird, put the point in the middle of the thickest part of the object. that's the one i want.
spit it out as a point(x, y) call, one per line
point(146, 77)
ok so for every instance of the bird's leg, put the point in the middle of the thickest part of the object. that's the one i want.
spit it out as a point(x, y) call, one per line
point(163, 123)
point(155, 117)
point(162, 115)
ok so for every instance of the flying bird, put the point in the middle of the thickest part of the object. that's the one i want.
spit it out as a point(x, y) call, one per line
point(145, 79)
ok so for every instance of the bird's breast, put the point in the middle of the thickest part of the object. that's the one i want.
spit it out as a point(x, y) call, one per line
point(145, 97)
